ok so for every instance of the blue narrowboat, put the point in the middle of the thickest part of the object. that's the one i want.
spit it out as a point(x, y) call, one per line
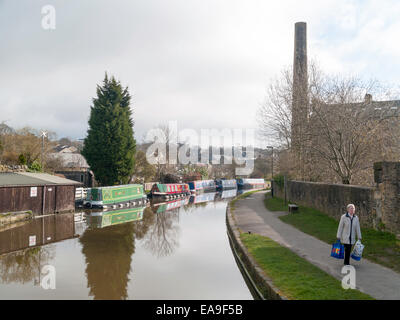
point(250, 183)
point(224, 184)
point(202, 186)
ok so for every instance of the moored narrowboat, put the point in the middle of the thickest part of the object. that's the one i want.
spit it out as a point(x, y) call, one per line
point(170, 190)
point(250, 183)
point(108, 197)
point(224, 184)
point(202, 186)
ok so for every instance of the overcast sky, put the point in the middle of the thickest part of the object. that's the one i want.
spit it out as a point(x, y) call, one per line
point(205, 63)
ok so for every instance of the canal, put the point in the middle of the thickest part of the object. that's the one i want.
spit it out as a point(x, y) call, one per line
point(173, 250)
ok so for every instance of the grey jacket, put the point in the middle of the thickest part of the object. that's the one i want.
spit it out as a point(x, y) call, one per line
point(343, 232)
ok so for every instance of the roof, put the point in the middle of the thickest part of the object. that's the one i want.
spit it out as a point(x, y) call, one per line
point(373, 109)
point(71, 160)
point(30, 178)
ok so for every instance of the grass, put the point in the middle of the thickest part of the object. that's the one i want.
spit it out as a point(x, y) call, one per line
point(295, 277)
point(380, 247)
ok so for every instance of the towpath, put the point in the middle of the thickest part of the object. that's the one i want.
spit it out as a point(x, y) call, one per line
point(251, 215)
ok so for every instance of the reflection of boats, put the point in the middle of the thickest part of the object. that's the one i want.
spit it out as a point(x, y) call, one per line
point(170, 205)
point(224, 184)
point(202, 197)
point(105, 197)
point(202, 186)
point(226, 194)
point(170, 190)
point(110, 218)
point(251, 183)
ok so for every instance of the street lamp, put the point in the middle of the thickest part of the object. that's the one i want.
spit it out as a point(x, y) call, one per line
point(272, 168)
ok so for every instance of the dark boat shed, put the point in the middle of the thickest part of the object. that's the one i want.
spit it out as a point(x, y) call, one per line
point(39, 192)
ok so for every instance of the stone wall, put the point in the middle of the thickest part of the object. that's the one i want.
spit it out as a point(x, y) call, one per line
point(377, 207)
point(387, 178)
point(13, 168)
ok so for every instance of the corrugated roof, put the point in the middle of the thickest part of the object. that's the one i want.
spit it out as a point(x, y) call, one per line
point(29, 178)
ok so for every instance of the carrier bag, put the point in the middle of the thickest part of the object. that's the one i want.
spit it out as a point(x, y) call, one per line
point(357, 251)
point(337, 250)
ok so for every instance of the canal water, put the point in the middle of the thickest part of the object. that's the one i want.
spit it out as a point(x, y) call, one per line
point(172, 250)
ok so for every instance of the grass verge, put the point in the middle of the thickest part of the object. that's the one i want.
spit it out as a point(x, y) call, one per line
point(297, 278)
point(380, 247)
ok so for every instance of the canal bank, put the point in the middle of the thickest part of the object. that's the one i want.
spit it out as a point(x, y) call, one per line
point(261, 284)
point(250, 215)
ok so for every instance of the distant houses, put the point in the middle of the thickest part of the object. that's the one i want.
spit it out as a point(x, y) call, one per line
point(73, 165)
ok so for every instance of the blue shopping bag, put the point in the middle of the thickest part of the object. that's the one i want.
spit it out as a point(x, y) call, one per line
point(337, 250)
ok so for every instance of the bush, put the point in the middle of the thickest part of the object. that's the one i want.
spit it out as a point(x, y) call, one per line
point(35, 167)
point(22, 159)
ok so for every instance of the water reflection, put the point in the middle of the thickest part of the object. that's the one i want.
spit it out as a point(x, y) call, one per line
point(163, 236)
point(106, 219)
point(24, 266)
point(106, 242)
point(226, 194)
point(202, 197)
point(24, 247)
point(108, 245)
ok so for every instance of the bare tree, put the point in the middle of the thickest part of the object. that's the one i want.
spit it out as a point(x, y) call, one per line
point(344, 131)
point(346, 124)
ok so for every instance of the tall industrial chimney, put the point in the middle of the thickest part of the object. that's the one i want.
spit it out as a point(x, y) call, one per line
point(300, 93)
point(300, 54)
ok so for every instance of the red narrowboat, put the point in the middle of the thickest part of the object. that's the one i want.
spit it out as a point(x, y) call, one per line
point(170, 189)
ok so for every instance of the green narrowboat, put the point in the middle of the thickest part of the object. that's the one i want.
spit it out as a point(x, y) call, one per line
point(105, 197)
point(111, 218)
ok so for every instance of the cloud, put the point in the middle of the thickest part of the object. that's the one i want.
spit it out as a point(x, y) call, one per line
point(205, 64)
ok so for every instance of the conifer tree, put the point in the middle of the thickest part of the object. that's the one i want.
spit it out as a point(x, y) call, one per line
point(109, 147)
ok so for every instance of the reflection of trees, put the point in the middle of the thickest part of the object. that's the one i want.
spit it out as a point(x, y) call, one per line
point(25, 265)
point(162, 237)
point(108, 254)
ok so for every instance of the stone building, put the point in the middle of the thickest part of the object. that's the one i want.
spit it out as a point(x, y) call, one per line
point(73, 166)
point(385, 145)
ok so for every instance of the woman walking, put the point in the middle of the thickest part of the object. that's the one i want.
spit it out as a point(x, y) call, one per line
point(349, 225)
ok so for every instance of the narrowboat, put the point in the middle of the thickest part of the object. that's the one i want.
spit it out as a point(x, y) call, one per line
point(202, 186)
point(110, 218)
point(251, 183)
point(170, 190)
point(203, 197)
point(224, 184)
point(109, 197)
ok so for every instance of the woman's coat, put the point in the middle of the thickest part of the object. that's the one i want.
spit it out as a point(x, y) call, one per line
point(343, 232)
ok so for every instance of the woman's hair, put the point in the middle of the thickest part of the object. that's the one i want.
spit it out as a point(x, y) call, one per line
point(350, 205)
